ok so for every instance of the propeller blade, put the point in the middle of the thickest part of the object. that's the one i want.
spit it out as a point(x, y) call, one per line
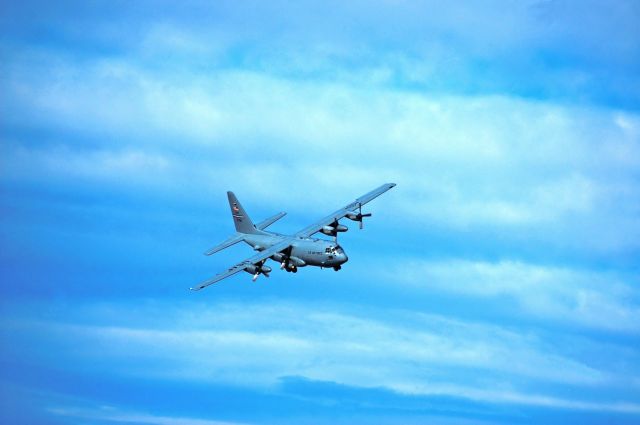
point(360, 216)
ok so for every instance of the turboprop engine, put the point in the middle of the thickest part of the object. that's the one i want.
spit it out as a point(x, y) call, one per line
point(258, 269)
point(359, 216)
point(334, 229)
point(290, 263)
point(298, 262)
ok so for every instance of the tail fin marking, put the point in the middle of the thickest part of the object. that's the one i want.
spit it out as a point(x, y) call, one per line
point(241, 219)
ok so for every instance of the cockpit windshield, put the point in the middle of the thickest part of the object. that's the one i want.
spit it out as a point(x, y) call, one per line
point(334, 250)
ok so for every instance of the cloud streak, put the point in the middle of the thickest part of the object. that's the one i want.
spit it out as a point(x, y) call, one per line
point(109, 414)
point(461, 162)
point(592, 299)
point(408, 353)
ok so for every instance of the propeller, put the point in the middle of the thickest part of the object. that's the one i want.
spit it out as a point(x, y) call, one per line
point(358, 217)
point(260, 270)
point(285, 260)
point(335, 232)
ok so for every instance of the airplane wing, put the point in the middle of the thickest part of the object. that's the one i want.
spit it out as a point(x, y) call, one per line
point(262, 255)
point(342, 212)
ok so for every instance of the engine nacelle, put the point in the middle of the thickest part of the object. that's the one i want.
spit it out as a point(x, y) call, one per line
point(298, 262)
point(328, 230)
point(279, 257)
point(357, 217)
point(332, 230)
point(255, 269)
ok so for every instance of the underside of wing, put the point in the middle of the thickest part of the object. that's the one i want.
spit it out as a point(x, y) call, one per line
point(254, 265)
point(329, 224)
point(233, 270)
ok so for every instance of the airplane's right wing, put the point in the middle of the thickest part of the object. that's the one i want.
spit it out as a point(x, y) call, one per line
point(249, 262)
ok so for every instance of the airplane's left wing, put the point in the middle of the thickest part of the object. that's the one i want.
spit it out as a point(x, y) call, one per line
point(348, 210)
point(249, 262)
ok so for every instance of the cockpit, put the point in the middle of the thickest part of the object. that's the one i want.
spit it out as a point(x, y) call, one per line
point(334, 256)
point(334, 250)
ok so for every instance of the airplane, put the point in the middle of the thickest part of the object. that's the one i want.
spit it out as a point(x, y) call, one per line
point(291, 251)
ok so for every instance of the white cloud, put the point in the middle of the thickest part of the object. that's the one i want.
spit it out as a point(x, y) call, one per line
point(122, 166)
point(110, 414)
point(556, 172)
point(513, 397)
point(257, 344)
point(593, 299)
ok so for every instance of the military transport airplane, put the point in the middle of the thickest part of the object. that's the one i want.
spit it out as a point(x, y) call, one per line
point(291, 251)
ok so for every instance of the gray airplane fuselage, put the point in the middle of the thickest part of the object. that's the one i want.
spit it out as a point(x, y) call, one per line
point(312, 251)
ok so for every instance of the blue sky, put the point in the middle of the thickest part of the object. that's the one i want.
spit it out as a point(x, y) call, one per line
point(497, 283)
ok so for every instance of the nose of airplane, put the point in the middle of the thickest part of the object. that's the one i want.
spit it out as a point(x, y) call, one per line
point(343, 258)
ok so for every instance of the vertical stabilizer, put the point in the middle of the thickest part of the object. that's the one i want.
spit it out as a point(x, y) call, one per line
point(240, 217)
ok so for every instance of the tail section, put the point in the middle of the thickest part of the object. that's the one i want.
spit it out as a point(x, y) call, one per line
point(240, 217)
point(269, 221)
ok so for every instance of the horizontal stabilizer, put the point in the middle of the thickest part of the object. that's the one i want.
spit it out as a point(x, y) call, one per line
point(269, 221)
point(226, 244)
